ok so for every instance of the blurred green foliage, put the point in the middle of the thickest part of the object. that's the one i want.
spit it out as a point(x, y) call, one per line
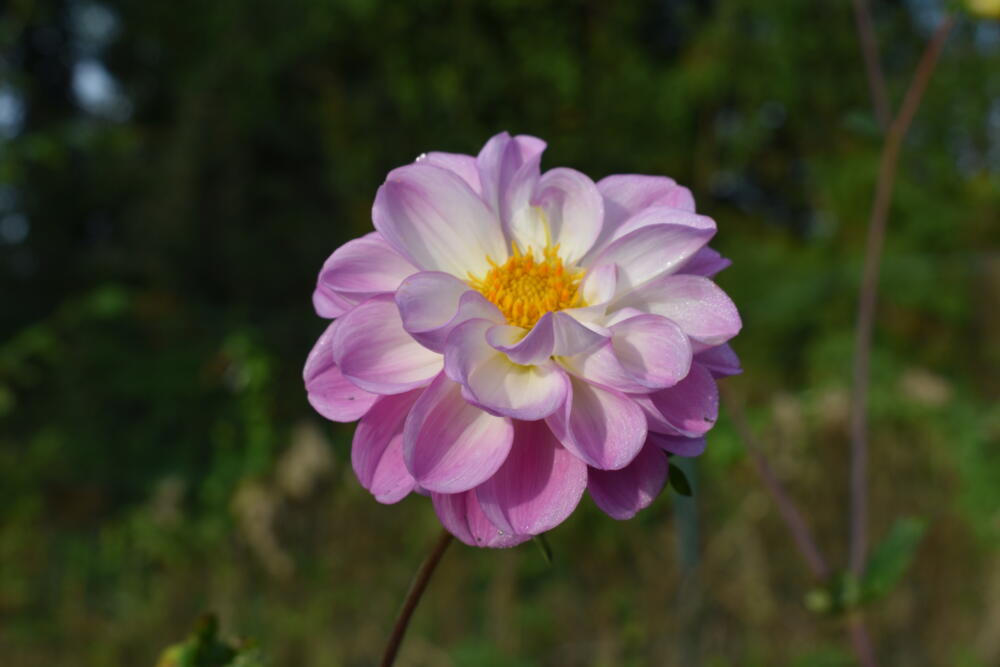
point(204, 648)
point(172, 176)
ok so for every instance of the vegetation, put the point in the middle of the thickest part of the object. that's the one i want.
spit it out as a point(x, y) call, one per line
point(172, 176)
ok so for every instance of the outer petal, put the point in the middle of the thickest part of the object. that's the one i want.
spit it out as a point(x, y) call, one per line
point(450, 446)
point(433, 217)
point(622, 493)
point(573, 209)
point(689, 408)
point(652, 349)
point(330, 393)
point(706, 262)
point(328, 303)
point(498, 384)
point(627, 194)
point(650, 252)
point(432, 303)
point(461, 515)
point(720, 361)
point(375, 352)
point(646, 352)
point(376, 452)
point(603, 427)
point(363, 268)
point(537, 487)
point(686, 447)
point(696, 304)
point(463, 165)
point(663, 215)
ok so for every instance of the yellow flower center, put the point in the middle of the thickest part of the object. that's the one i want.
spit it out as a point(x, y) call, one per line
point(524, 288)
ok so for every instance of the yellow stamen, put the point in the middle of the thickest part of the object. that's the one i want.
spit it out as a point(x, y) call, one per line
point(525, 288)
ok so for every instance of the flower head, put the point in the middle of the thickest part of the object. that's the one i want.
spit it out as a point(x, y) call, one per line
point(510, 339)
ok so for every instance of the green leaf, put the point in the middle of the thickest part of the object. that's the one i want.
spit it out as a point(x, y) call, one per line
point(679, 481)
point(891, 558)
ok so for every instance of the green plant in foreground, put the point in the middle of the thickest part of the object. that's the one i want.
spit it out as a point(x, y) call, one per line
point(204, 648)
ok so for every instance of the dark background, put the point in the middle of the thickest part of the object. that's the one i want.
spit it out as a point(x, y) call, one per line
point(173, 174)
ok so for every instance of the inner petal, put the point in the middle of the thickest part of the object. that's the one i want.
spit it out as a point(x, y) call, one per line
point(530, 284)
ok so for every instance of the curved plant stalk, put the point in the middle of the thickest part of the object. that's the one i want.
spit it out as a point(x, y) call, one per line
point(416, 591)
point(869, 293)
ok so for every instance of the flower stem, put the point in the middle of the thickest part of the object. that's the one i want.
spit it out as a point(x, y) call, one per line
point(416, 591)
point(789, 511)
point(861, 641)
point(869, 293)
point(873, 65)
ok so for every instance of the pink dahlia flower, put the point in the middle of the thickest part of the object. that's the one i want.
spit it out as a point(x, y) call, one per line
point(509, 339)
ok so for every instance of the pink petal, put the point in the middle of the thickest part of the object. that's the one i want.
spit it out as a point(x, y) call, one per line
point(690, 408)
point(646, 352)
point(706, 262)
point(449, 445)
point(500, 159)
point(627, 194)
point(329, 392)
point(377, 454)
point(705, 313)
point(432, 303)
point(520, 220)
point(630, 193)
point(461, 514)
point(533, 347)
point(328, 303)
point(652, 349)
point(498, 384)
point(622, 493)
point(603, 427)
point(431, 216)
point(680, 446)
point(463, 165)
point(650, 252)
point(663, 215)
point(363, 268)
point(720, 361)
point(573, 337)
point(375, 352)
point(537, 487)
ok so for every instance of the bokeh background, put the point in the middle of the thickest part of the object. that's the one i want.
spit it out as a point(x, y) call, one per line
point(173, 174)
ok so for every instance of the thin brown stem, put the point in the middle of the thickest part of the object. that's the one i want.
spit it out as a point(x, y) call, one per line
point(873, 64)
point(416, 591)
point(861, 642)
point(786, 506)
point(869, 293)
